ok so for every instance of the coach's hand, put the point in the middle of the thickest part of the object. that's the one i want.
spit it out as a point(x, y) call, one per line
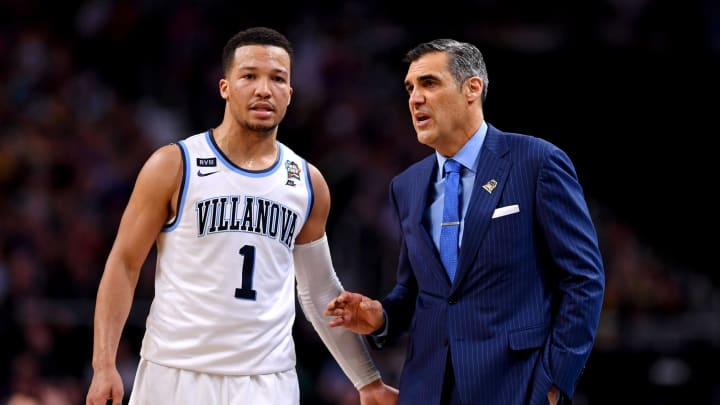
point(356, 312)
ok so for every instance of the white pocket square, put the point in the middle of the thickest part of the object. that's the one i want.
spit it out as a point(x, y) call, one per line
point(502, 211)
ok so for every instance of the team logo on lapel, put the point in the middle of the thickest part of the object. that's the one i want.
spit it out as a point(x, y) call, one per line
point(293, 172)
point(490, 186)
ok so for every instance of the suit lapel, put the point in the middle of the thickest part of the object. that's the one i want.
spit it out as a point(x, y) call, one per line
point(490, 180)
point(424, 179)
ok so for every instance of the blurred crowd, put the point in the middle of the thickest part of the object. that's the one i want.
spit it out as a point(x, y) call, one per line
point(89, 88)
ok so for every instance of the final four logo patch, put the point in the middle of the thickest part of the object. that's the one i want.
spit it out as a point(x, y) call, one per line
point(293, 172)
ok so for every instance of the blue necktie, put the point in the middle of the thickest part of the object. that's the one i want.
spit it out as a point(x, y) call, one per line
point(450, 228)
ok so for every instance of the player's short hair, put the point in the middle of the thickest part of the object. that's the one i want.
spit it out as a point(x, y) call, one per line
point(254, 36)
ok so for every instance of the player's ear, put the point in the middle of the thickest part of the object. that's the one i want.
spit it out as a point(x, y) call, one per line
point(223, 87)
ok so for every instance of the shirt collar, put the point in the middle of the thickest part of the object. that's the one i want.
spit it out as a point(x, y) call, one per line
point(470, 152)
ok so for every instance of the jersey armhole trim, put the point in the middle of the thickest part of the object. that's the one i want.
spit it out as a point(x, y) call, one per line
point(311, 195)
point(183, 188)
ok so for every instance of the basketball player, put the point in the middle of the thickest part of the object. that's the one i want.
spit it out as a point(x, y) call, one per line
point(237, 217)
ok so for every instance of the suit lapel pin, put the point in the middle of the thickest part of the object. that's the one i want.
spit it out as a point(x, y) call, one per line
point(490, 186)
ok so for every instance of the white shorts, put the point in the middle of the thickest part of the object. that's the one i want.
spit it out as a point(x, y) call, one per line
point(157, 385)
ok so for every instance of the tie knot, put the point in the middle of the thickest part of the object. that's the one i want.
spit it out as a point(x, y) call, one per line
point(452, 166)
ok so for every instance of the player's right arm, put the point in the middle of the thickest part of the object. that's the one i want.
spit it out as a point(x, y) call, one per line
point(317, 283)
point(152, 203)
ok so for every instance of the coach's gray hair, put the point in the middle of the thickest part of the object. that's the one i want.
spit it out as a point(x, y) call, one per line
point(464, 59)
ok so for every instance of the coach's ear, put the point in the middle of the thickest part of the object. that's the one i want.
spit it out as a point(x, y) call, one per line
point(473, 89)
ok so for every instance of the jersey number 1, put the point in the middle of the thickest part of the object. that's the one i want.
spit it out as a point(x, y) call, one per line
point(245, 291)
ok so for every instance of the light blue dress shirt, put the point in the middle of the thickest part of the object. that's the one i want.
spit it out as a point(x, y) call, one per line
point(469, 157)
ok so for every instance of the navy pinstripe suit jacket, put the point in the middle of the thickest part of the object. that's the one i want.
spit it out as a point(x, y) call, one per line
point(525, 304)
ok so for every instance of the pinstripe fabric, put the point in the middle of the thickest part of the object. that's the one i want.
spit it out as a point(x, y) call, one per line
point(524, 308)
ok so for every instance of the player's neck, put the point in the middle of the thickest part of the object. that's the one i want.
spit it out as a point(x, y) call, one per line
point(250, 150)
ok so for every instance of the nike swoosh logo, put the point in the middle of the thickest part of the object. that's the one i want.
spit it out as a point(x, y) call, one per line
point(201, 174)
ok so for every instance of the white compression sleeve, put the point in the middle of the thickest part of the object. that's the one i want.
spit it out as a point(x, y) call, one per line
point(317, 285)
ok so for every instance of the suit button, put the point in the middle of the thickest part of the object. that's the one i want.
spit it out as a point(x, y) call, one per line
point(452, 300)
point(445, 342)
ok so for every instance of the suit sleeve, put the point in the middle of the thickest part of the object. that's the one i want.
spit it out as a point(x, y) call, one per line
point(571, 238)
point(399, 305)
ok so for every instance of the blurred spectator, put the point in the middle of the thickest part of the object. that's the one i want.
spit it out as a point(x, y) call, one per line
point(89, 88)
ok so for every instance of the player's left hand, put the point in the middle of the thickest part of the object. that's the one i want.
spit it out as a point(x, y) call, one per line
point(378, 393)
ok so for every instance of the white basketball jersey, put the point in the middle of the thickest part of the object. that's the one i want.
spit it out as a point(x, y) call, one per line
point(225, 281)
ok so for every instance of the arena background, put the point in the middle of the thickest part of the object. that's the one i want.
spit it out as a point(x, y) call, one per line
point(629, 88)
